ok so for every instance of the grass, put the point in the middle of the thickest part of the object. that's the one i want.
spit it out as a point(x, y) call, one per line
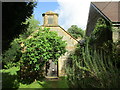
point(63, 83)
point(36, 84)
point(60, 83)
point(9, 80)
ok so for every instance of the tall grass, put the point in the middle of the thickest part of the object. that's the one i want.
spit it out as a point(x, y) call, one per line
point(91, 69)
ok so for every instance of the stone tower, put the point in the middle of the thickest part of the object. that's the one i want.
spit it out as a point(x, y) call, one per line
point(50, 19)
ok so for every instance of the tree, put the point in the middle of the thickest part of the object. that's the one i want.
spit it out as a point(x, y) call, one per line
point(13, 14)
point(33, 25)
point(76, 32)
point(13, 54)
point(43, 45)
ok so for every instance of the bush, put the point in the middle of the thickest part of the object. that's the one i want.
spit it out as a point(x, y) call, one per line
point(91, 69)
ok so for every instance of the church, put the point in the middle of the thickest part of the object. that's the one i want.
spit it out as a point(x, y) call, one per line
point(51, 21)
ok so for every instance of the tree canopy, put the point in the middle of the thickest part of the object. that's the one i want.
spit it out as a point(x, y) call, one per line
point(75, 31)
point(13, 54)
point(13, 14)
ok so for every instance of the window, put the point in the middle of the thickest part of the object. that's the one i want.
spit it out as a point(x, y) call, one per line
point(50, 19)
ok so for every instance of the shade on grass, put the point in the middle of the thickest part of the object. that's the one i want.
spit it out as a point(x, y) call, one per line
point(10, 81)
point(61, 83)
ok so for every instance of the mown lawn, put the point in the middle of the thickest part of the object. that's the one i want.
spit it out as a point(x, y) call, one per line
point(9, 80)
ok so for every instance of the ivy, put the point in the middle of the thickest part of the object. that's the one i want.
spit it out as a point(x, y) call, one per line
point(43, 46)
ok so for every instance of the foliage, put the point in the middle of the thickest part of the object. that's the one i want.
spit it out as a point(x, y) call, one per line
point(115, 29)
point(9, 80)
point(43, 45)
point(101, 38)
point(95, 64)
point(101, 34)
point(92, 70)
point(33, 25)
point(32, 50)
point(76, 32)
point(13, 14)
point(13, 54)
point(115, 53)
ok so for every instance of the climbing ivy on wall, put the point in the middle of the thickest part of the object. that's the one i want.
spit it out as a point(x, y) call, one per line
point(101, 34)
point(43, 45)
point(95, 63)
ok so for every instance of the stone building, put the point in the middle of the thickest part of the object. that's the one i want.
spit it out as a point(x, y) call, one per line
point(110, 11)
point(51, 21)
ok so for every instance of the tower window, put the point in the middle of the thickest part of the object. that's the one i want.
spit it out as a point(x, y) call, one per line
point(50, 19)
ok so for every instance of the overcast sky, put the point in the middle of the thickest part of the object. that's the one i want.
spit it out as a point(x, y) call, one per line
point(71, 12)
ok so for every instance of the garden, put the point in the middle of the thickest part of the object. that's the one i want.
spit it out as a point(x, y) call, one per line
point(10, 80)
point(94, 64)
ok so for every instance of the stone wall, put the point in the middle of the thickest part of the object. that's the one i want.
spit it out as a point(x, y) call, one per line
point(55, 18)
point(116, 34)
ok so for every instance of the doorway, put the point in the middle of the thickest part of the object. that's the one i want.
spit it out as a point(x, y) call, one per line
point(51, 69)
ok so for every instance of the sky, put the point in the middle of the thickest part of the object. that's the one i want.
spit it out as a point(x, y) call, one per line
point(71, 12)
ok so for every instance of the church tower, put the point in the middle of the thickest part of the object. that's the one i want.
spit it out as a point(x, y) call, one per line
point(50, 19)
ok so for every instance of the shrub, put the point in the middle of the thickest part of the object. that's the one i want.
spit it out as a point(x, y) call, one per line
point(92, 69)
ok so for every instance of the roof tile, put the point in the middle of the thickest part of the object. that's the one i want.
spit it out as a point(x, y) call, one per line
point(109, 9)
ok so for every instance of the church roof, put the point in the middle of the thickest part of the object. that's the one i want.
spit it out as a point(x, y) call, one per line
point(110, 11)
point(63, 30)
point(68, 33)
